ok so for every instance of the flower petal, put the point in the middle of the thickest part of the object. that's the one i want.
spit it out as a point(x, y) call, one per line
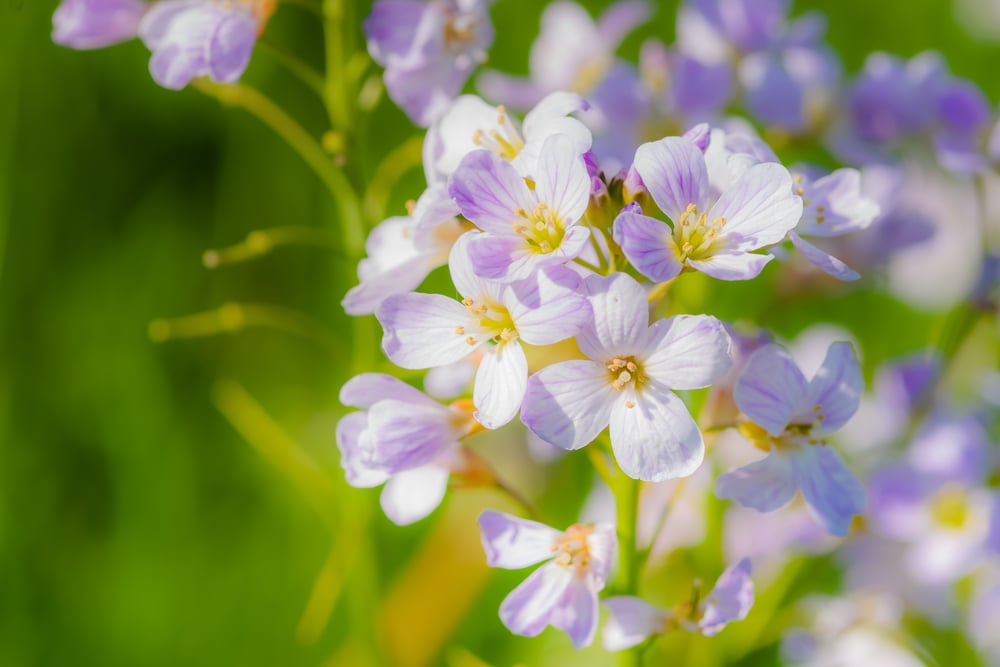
point(632, 621)
point(405, 436)
point(656, 439)
point(356, 471)
point(548, 307)
point(689, 351)
point(621, 317)
point(500, 384)
point(561, 180)
point(513, 543)
point(674, 172)
point(731, 265)
point(576, 613)
point(759, 208)
point(528, 608)
point(488, 191)
point(426, 330)
point(836, 389)
point(648, 244)
point(831, 490)
point(231, 46)
point(765, 485)
point(367, 389)
point(568, 404)
point(770, 389)
point(730, 600)
point(412, 495)
point(825, 262)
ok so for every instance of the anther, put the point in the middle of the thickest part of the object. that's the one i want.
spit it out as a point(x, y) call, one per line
point(471, 340)
point(460, 330)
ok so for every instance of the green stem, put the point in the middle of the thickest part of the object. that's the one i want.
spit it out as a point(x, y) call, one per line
point(334, 22)
point(301, 142)
point(626, 492)
point(299, 68)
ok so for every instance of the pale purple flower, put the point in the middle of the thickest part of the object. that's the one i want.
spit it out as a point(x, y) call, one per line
point(93, 24)
point(719, 30)
point(634, 620)
point(714, 237)
point(524, 229)
point(470, 124)
point(628, 382)
point(193, 38)
point(832, 206)
point(792, 89)
point(403, 439)
point(403, 250)
point(428, 48)
point(428, 330)
point(683, 88)
point(562, 592)
point(790, 419)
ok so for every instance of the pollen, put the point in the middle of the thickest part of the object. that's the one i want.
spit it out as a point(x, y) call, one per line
point(460, 330)
point(542, 228)
point(623, 372)
point(504, 140)
point(695, 235)
point(572, 548)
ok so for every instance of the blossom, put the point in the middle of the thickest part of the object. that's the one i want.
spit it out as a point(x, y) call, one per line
point(627, 382)
point(403, 439)
point(790, 419)
point(93, 24)
point(832, 206)
point(428, 49)
point(193, 38)
point(524, 228)
point(563, 591)
point(715, 238)
point(403, 250)
point(428, 330)
point(470, 124)
point(633, 620)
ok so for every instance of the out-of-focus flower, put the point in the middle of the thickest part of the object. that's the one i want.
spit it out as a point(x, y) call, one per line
point(428, 48)
point(403, 250)
point(470, 124)
point(714, 237)
point(628, 381)
point(563, 591)
point(403, 439)
point(634, 620)
point(545, 217)
point(192, 38)
point(428, 330)
point(790, 419)
point(93, 24)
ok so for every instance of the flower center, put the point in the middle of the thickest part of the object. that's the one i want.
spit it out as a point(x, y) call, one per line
point(797, 434)
point(505, 140)
point(695, 235)
point(493, 322)
point(572, 548)
point(625, 371)
point(543, 228)
point(950, 507)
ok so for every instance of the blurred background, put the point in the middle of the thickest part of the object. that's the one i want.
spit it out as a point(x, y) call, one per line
point(180, 502)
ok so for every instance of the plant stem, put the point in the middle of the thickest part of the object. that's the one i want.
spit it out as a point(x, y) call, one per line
point(626, 492)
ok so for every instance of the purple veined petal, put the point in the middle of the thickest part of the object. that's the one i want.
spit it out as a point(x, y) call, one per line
point(499, 257)
point(845, 208)
point(770, 389)
point(183, 52)
point(357, 473)
point(759, 208)
point(412, 495)
point(365, 298)
point(561, 180)
point(825, 262)
point(403, 436)
point(528, 608)
point(731, 265)
point(367, 389)
point(462, 267)
point(230, 47)
point(674, 172)
point(426, 330)
point(500, 384)
point(656, 438)
point(699, 135)
point(568, 404)
point(94, 24)
point(488, 190)
point(620, 19)
point(621, 317)
point(688, 352)
point(831, 490)
point(730, 600)
point(764, 485)
point(513, 543)
point(548, 308)
point(632, 621)
point(648, 245)
point(602, 544)
point(576, 613)
point(836, 389)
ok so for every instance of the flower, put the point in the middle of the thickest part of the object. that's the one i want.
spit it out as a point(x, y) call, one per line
point(627, 381)
point(715, 238)
point(428, 49)
point(524, 228)
point(563, 591)
point(192, 38)
point(402, 250)
point(93, 24)
point(403, 439)
point(428, 330)
point(633, 620)
point(790, 419)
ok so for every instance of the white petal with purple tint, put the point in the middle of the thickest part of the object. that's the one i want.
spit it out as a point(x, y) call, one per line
point(674, 172)
point(648, 244)
point(426, 330)
point(759, 208)
point(513, 543)
point(632, 621)
point(831, 490)
point(412, 495)
point(824, 261)
point(500, 384)
point(656, 438)
point(568, 404)
point(690, 352)
point(765, 485)
point(770, 389)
